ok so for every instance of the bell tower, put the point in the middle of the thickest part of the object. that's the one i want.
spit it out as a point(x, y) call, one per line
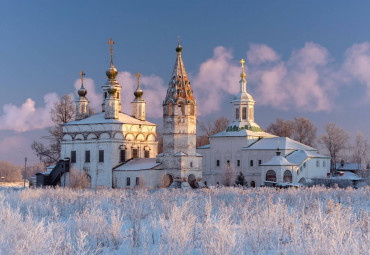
point(179, 157)
point(243, 107)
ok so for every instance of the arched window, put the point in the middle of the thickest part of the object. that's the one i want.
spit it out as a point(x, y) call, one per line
point(253, 184)
point(271, 176)
point(169, 108)
point(288, 176)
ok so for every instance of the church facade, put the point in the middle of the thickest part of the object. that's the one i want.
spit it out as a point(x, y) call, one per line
point(119, 150)
point(244, 148)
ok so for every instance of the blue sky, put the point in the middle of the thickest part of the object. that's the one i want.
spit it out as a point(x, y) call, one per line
point(45, 44)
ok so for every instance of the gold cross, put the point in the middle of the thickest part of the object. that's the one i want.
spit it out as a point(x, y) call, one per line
point(178, 40)
point(82, 74)
point(111, 42)
point(138, 78)
point(242, 61)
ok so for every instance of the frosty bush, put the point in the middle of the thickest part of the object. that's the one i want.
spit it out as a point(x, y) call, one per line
point(313, 220)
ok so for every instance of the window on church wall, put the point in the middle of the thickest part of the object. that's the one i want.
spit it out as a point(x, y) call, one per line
point(244, 113)
point(128, 181)
point(238, 162)
point(317, 163)
point(134, 153)
point(253, 184)
point(101, 155)
point(251, 163)
point(169, 108)
point(217, 162)
point(87, 156)
point(251, 114)
point(73, 156)
point(117, 95)
point(146, 154)
point(105, 94)
point(122, 155)
point(259, 162)
point(137, 181)
point(237, 113)
point(323, 163)
point(271, 176)
point(288, 176)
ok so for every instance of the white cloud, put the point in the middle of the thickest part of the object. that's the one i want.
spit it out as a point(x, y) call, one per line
point(261, 53)
point(27, 116)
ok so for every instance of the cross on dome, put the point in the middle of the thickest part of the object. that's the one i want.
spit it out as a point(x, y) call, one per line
point(111, 42)
point(138, 75)
point(82, 74)
point(242, 75)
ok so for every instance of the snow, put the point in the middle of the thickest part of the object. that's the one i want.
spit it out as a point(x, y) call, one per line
point(348, 166)
point(314, 220)
point(137, 164)
point(297, 157)
point(208, 146)
point(242, 133)
point(278, 161)
point(180, 154)
point(345, 175)
point(99, 118)
point(271, 143)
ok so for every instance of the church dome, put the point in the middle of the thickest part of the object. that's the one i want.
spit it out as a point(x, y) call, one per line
point(138, 93)
point(111, 72)
point(82, 91)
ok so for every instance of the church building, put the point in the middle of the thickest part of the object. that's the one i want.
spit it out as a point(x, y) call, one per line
point(244, 148)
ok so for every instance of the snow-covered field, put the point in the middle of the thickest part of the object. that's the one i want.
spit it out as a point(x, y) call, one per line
point(209, 221)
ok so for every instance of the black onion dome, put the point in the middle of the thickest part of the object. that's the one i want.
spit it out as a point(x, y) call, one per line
point(82, 91)
point(138, 93)
point(179, 48)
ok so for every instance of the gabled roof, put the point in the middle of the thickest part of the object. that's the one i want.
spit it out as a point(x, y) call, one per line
point(98, 118)
point(278, 161)
point(271, 143)
point(137, 164)
point(297, 157)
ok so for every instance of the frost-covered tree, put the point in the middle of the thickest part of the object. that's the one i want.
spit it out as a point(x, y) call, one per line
point(62, 112)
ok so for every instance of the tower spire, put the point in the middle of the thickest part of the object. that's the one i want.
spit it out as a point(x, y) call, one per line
point(242, 75)
point(138, 92)
point(82, 91)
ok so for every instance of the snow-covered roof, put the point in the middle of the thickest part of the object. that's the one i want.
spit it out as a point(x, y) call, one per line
point(348, 166)
point(297, 157)
point(204, 146)
point(347, 176)
point(98, 118)
point(180, 154)
point(242, 133)
point(271, 143)
point(137, 164)
point(278, 161)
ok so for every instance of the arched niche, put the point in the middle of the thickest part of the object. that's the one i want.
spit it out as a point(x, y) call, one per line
point(79, 137)
point(130, 137)
point(91, 136)
point(104, 136)
point(119, 136)
point(140, 137)
point(151, 138)
point(67, 138)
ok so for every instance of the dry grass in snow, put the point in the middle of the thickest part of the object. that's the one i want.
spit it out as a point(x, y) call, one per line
point(216, 221)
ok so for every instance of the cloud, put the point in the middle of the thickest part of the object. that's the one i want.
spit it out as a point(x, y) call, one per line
point(217, 76)
point(261, 53)
point(27, 116)
point(357, 65)
point(304, 81)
